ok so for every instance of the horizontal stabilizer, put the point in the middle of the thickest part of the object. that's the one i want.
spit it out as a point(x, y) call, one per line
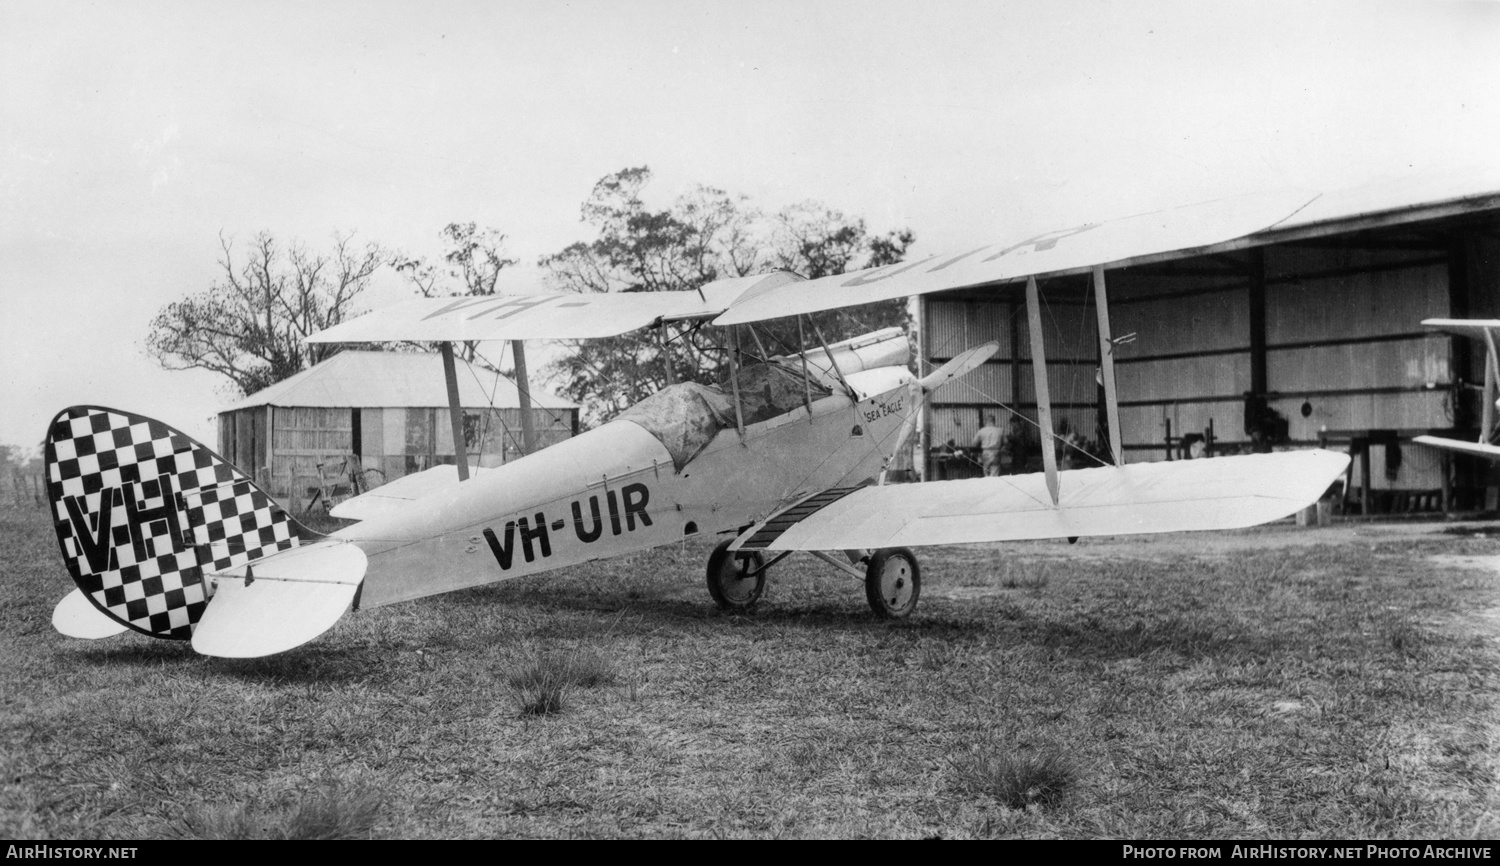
point(396, 495)
point(1477, 448)
point(1215, 493)
point(280, 602)
point(76, 616)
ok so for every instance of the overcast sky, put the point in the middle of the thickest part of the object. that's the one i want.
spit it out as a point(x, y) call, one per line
point(133, 133)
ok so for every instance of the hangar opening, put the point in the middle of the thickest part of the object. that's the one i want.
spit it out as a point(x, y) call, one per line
point(1304, 335)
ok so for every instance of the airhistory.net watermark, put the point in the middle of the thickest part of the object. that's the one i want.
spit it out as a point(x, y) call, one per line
point(1307, 852)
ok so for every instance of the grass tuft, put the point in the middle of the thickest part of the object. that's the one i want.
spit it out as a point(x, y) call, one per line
point(1402, 637)
point(1016, 780)
point(543, 698)
point(329, 813)
point(1024, 575)
point(540, 686)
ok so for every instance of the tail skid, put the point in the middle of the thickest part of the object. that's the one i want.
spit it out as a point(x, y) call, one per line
point(149, 521)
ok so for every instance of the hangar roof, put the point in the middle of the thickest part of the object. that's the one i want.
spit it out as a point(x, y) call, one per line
point(369, 380)
point(1390, 202)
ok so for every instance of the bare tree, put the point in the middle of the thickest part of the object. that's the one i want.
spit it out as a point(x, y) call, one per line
point(249, 326)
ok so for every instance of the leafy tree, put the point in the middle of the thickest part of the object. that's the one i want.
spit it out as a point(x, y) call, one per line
point(812, 241)
point(706, 235)
point(474, 258)
point(250, 324)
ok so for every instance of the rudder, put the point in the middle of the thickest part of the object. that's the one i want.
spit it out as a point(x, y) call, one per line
point(141, 510)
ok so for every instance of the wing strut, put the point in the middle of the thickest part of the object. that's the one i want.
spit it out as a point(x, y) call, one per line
point(806, 386)
point(1043, 398)
point(664, 345)
point(455, 412)
point(734, 380)
point(523, 384)
point(834, 362)
point(1107, 368)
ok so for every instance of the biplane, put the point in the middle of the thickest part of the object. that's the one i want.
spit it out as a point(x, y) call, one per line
point(163, 537)
point(1481, 329)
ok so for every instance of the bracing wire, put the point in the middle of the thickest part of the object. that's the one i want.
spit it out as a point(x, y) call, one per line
point(490, 404)
point(945, 349)
point(556, 417)
point(1050, 317)
point(484, 430)
point(1019, 414)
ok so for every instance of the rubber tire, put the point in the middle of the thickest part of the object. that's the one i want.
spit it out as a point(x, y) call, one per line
point(893, 582)
point(727, 583)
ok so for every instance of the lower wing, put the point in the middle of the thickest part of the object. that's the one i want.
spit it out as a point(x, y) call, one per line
point(399, 494)
point(1216, 493)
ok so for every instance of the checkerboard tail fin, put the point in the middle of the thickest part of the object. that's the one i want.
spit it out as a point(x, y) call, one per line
point(142, 514)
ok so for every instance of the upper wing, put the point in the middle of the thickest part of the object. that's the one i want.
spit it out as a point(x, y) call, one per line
point(1216, 493)
point(556, 315)
point(1131, 240)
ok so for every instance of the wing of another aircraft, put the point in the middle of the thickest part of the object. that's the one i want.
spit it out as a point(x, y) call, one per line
point(1131, 240)
point(1478, 329)
point(1216, 493)
point(1480, 449)
point(547, 316)
point(1475, 328)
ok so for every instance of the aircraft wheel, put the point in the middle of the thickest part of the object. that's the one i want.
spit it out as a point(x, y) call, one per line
point(736, 580)
point(893, 582)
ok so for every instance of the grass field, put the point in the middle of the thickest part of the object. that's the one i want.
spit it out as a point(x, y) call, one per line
point(1329, 683)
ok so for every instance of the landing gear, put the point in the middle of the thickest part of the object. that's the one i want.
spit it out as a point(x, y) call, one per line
point(736, 580)
point(893, 582)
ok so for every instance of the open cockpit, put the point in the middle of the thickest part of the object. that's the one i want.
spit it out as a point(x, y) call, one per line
point(687, 416)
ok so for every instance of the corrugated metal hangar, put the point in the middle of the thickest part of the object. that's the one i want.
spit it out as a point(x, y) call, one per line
point(1306, 334)
point(381, 415)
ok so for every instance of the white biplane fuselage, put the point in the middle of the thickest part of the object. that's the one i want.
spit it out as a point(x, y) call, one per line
point(616, 489)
